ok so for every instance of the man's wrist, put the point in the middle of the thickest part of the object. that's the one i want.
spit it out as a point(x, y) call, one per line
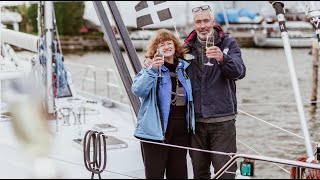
point(222, 62)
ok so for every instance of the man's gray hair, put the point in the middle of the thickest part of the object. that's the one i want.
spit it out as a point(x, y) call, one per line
point(203, 4)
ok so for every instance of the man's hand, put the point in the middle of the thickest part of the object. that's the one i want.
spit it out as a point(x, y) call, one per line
point(147, 62)
point(214, 52)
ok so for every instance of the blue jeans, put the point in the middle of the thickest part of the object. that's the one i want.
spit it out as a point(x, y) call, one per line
point(215, 137)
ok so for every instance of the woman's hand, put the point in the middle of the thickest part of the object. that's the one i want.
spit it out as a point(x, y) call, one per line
point(157, 61)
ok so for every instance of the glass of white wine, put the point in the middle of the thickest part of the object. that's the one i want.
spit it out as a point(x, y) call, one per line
point(209, 43)
point(160, 53)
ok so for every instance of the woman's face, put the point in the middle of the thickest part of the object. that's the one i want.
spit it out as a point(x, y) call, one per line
point(168, 48)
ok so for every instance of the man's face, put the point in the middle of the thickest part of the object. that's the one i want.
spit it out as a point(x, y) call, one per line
point(202, 23)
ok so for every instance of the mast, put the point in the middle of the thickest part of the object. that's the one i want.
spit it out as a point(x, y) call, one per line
point(49, 33)
point(278, 6)
point(115, 48)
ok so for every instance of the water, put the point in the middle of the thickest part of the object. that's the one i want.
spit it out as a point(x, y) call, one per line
point(266, 92)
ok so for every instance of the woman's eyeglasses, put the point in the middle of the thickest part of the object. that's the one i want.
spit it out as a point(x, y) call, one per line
point(196, 9)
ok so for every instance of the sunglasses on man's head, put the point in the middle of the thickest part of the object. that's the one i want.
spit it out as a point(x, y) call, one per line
point(196, 9)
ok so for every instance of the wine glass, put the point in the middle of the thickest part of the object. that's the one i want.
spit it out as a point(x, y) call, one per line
point(209, 43)
point(160, 54)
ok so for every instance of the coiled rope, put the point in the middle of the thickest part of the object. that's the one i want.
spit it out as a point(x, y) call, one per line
point(305, 172)
point(95, 166)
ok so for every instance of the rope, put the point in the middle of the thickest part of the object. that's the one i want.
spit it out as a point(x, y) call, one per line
point(94, 166)
point(275, 126)
point(305, 172)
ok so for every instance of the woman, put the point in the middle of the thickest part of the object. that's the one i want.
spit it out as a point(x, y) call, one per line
point(167, 113)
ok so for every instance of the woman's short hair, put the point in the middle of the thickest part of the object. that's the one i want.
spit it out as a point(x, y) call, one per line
point(162, 35)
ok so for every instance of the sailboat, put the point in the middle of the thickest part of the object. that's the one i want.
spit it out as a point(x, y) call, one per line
point(65, 153)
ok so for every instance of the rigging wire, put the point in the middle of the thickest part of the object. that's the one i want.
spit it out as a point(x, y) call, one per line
point(39, 73)
point(278, 103)
point(55, 26)
point(178, 146)
point(275, 126)
point(200, 150)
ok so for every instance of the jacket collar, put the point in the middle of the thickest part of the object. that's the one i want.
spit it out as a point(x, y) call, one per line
point(183, 64)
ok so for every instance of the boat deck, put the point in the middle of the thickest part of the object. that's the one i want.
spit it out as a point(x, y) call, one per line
point(67, 155)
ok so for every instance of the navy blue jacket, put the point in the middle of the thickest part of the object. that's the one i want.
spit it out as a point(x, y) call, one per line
point(214, 87)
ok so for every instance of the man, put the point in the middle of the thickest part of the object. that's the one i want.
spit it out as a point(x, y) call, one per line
point(214, 92)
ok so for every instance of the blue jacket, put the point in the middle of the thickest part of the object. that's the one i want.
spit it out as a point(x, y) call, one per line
point(149, 124)
point(214, 87)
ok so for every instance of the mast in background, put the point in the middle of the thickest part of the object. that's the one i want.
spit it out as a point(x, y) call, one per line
point(48, 21)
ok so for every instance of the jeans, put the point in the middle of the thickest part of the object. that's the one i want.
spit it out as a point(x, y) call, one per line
point(215, 137)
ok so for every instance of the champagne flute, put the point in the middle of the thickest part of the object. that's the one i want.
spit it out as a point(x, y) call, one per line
point(209, 43)
point(160, 54)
